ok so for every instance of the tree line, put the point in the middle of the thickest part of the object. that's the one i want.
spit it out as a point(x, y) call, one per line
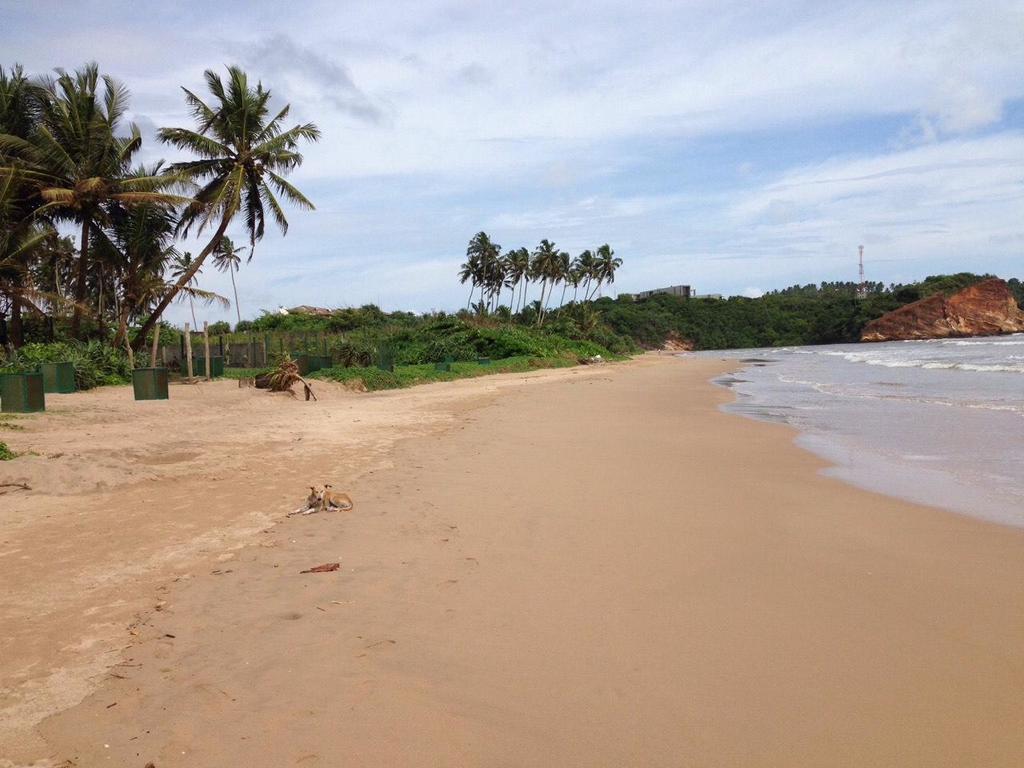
point(490, 272)
point(68, 159)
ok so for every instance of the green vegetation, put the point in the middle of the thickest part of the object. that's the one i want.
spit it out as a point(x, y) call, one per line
point(96, 363)
point(831, 313)
point(6, 454)
point(373, 379)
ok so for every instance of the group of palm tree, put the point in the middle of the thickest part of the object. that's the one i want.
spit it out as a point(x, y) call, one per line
point(489, 271)
point(67, 160)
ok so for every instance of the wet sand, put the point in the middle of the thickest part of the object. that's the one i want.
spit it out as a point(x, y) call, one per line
point(589, 567)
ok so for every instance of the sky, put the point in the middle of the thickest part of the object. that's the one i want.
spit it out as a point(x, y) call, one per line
point(736, 147)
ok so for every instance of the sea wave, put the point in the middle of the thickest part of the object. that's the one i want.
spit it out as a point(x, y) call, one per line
point(891, 361)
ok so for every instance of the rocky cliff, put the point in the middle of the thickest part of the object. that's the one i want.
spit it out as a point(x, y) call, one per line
point(984, 309)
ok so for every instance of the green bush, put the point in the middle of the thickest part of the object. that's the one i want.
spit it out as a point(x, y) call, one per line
point(96, 363)
point(6, 454)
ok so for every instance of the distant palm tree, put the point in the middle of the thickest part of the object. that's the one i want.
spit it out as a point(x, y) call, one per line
point(484, 267)
point(564, 266)
point(518, 267)
point(607, 264)
point(470, 272)
point(78, 163)
point(544, 266)
point(576, 275)
point(227, 258)
point(182, 264)
point(243, 158)
point(587, 266)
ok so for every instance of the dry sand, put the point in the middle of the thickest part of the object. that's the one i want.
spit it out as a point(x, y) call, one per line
point(591, 567)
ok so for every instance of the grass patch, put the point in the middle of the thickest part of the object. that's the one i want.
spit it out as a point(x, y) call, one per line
point(244, 373)
point(6, 454)
point(374, 379)
point(11, 426)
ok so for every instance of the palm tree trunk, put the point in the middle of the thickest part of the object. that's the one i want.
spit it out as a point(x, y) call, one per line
point(192, 306)
point(469, 302)
point(238, 310)
point(17, 333)
point(561, 301)
point(540, 310)
point(80, 288)
point(147, 326)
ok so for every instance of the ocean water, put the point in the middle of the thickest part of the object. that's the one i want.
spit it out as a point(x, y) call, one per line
point(939, 422)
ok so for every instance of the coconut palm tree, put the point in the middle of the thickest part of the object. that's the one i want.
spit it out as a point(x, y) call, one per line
point(544, 266)
point(587, 265)
point(564, 266)
point(518, 268)
point(484, 256)
point(227, 258)
point(243, 158)
point(183, 264)
point(20, 233)
point(77, 161)
point(470, 271)
point(607, 264)
point(576, 276)
point(138, 246)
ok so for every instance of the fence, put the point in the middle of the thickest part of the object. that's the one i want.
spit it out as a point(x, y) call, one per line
point(248, 350)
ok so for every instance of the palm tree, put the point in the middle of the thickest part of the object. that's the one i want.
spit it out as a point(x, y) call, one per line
point(78, 163)
point(544, 266)
point(20, 233)
point(138, 245)
point(576, 275)
point(470, 271)
point(227, 258)
point(518, 268)
point(564, 266)
point(587, 265)
point(484, 256)
point(243, 159)
point(607, 264)
point(183, 264)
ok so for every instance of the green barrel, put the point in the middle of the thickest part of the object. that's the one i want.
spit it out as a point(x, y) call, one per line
point(303, 362)
point(216, 366)
point(22, 393)
point(150, 383)
point(319, 362)
point(58, 377)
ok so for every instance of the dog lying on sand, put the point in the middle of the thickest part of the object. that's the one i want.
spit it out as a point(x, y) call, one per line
point(324, 500)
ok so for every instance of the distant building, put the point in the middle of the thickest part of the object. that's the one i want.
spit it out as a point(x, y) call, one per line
point(683, 291)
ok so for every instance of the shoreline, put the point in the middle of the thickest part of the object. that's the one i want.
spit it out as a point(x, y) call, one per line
point(726, 574)
point(884, 426)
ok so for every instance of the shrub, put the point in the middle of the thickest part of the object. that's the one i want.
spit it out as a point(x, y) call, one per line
point(6, 454)
point(96, 362)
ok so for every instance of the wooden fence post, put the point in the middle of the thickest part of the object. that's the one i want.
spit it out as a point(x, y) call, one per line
point(156, 343)
point(206, 349)
point(188, 350)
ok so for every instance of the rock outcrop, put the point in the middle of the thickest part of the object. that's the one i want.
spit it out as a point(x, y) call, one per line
point(984, 309)
point(676, 343)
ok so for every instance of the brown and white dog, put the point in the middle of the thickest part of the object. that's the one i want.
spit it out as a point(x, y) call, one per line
point(324, 500)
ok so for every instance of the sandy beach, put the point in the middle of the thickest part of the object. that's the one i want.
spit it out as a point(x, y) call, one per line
point(579, 567)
